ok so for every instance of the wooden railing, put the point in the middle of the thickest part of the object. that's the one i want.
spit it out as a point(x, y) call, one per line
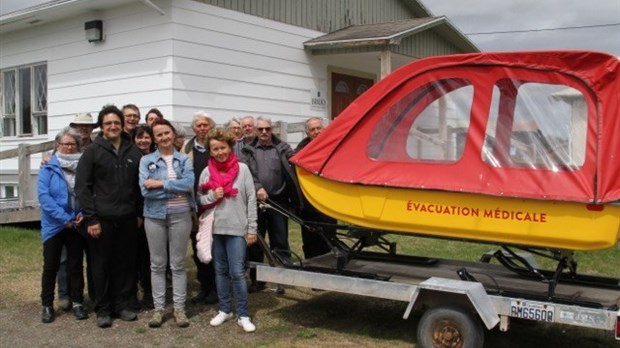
point(283, 129)
point(27, 205)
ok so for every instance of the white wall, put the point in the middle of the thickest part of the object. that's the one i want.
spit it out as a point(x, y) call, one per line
point(132, 65)
point(232, 64)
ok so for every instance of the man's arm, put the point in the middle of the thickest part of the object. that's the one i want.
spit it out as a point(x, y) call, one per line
point(84, 186)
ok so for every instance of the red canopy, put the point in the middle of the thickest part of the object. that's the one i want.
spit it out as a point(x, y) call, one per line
point(521, 124)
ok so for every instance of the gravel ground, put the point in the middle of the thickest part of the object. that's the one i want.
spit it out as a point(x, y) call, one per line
point(279, 321)
point(22, 327)
point(300, 318)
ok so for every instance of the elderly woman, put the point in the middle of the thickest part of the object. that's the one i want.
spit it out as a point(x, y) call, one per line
point(60, 220)
point(167, 183)
point(227, 192)
point(179, 139)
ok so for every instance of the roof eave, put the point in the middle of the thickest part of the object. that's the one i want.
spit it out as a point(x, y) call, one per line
point(465, 43)
point(348, 43)
point(30, 11)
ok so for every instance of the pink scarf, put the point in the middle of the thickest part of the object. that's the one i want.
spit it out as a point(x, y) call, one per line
point(222, 174)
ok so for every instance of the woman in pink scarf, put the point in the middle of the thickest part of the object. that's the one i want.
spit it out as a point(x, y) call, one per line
point(228, 198)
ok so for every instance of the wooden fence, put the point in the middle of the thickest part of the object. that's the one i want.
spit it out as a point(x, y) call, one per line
point(26, 207)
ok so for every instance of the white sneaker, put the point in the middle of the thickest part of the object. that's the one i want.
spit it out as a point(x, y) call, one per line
point(246, 324)
point(220, 318)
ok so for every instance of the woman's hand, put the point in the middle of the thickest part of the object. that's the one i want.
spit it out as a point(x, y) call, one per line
point(250, 239)
point(94, 230)
point(218, 193)
point(78, 220)
point(150, 184)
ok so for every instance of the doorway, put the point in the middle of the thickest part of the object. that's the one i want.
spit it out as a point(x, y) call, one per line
point(345, 89)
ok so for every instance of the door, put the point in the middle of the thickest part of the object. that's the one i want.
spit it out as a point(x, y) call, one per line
point(345, 89)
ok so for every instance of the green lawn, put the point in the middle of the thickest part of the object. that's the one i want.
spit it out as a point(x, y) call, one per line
point(301, 318)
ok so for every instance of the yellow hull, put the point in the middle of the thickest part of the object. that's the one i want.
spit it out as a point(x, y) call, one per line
point(535, 223)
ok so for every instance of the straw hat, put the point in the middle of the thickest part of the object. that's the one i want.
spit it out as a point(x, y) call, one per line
point(83, 118)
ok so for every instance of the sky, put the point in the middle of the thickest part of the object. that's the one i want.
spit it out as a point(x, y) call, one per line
point(494, 16)
point(599, 21)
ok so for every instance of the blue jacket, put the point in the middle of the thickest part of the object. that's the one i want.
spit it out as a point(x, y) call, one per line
point(153, 166)
point(53, 192)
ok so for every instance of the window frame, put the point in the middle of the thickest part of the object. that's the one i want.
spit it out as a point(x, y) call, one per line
point(38, 117)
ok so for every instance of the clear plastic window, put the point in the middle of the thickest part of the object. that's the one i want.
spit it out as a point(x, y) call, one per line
point(428, 124)
point(536, 126)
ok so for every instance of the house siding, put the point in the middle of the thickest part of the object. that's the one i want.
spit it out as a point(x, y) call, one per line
point(425, 44)
point(321, 15)
point(231, 64)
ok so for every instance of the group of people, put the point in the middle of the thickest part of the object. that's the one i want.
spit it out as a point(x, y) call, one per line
point(133, 197)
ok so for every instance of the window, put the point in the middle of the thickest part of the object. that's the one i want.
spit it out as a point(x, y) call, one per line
point(430, 123)
point(547, 130)
point(24, 100)
point(8, 191)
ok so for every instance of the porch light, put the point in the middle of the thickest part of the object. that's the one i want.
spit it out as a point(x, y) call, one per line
point(94, 31)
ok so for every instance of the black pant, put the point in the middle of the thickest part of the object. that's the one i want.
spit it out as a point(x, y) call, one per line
point(205, 273)
point(113, 261)
point(276, 224)
point(313, 243)
point(52, 249)
point(143, 264)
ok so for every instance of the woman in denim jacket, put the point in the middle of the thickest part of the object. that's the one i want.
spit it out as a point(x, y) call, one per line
point(167, 184)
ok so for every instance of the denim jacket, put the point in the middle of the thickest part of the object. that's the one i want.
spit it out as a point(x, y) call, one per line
point(153, 166)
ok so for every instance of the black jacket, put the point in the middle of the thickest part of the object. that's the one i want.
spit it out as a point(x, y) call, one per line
point(284, 150)
point(305, 141)
point(106, 183)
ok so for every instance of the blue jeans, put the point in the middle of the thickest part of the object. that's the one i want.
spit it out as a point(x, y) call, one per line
point(169, 236)
point(229, 262)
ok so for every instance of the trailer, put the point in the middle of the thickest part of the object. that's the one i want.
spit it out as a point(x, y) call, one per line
point(514, 149)
point(458, 299)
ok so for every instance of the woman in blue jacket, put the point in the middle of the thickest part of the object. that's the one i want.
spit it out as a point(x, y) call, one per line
point(59, 224)
point(167, 184)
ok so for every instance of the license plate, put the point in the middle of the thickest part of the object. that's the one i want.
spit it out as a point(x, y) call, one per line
point(532, 310)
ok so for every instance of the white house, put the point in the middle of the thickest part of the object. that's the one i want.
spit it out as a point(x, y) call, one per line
point(284, 59)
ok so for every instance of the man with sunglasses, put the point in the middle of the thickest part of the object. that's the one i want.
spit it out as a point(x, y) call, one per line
point(267, 157)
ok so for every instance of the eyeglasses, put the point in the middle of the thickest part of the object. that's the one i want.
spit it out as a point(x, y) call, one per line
point(109, 123)
point(264, 129)
point(132, 116)
point(67, 144)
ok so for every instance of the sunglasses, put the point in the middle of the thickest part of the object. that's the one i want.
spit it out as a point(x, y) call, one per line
point(264, 129)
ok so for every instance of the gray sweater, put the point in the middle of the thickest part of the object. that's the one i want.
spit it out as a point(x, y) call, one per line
point(234, 216)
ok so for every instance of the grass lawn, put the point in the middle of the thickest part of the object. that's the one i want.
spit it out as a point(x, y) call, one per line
point(300, 318)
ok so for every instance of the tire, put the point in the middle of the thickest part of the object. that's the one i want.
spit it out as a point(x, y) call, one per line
point(449, 327)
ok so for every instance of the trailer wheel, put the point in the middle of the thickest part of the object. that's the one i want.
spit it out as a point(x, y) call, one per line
point(449, 327)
